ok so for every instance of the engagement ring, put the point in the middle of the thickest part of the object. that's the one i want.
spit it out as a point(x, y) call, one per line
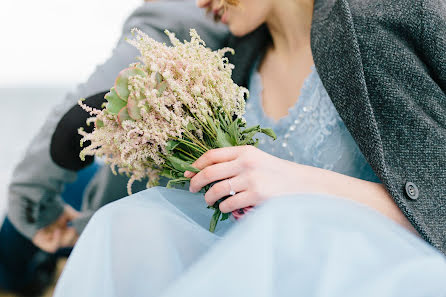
point(231, 191)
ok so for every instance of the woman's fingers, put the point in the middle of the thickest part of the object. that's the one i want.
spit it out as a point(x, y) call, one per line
point(238, 201)
point(213, 173)
point(219, 155)
point(189, 174)
point(215, 156)
point(224, 188)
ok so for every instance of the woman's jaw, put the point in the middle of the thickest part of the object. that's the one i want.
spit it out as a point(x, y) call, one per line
point(289, 21)
point(242, 19)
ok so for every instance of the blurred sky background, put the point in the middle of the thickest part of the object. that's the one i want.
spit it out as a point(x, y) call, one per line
point(47, 47)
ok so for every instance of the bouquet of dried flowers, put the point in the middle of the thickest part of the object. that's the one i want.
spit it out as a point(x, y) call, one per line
point(167, 110)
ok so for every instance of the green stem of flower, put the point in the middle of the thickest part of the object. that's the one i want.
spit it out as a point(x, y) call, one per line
point(205, 127)
point(196, 140)
point(191, 145)
point(186, 153)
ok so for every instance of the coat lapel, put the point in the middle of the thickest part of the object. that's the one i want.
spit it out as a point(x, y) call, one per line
point(338, 61)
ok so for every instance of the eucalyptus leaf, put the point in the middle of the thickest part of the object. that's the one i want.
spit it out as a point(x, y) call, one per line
point(133, 109)
point(115, 104)
point(122, 81)
point(123, 115)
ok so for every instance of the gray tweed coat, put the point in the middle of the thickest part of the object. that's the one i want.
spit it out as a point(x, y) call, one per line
point(383, 63)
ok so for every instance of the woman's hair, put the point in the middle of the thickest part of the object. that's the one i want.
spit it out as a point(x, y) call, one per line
point(230, 2)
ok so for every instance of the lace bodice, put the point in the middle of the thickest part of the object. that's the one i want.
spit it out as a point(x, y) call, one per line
point(312, 133)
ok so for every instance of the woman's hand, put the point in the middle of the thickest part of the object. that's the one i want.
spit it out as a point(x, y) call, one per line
point(254, 175)
point(257, 176)
point(58, 234)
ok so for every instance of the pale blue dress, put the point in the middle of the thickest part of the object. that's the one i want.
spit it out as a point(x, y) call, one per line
point(157, 243)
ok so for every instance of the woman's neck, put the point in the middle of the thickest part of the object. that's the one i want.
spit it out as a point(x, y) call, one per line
point(290, 26)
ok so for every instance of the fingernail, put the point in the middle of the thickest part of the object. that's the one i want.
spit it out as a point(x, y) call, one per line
point(187, 174)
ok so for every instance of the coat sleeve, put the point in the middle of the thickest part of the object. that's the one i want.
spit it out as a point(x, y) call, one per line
point(434, 55)
point(34, 194)
point(403, 51)
point(434, 40)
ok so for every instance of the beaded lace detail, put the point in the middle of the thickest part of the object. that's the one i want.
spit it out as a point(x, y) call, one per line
point(312, 133)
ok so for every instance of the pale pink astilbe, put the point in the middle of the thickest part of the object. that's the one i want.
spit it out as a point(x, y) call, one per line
point(92, 111)
point(184, 83)
point(196, 83)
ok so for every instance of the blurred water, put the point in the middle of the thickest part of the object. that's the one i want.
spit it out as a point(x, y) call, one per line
point(24, 110)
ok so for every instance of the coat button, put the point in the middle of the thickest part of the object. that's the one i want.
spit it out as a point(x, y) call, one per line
point(412, 191)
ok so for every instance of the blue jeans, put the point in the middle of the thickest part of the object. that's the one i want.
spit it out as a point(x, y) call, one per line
point(17, 252)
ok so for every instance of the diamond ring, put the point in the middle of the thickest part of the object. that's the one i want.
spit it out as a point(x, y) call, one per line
point(231, 191)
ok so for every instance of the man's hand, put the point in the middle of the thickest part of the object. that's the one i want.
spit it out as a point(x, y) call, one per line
point(58, 234)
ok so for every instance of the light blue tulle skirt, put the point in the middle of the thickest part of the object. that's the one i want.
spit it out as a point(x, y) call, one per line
point(157, 243)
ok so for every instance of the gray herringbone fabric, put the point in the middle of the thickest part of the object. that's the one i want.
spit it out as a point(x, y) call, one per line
point(383, 63)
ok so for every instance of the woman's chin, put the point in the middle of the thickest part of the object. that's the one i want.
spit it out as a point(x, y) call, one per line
point(240, 31)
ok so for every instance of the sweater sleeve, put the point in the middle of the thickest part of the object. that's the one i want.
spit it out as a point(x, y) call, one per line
point(34, 194)
point(434, 56)
point(37, 182)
